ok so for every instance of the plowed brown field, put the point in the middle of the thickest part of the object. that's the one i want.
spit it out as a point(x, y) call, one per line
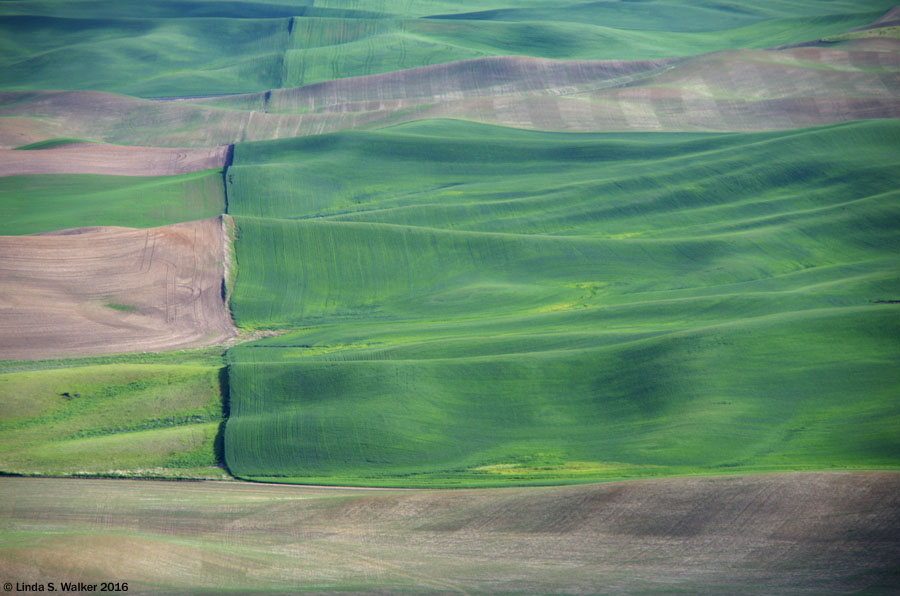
point(808, 533)
point(109, 290)
point(94, 158)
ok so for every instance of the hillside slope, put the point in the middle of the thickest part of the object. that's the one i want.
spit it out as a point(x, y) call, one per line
point(199, 47)
point(110, 160)
point(484, 306)
point(30, 204)
point(135, 417)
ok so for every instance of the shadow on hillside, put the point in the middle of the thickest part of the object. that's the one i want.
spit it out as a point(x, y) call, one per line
point(219, 443)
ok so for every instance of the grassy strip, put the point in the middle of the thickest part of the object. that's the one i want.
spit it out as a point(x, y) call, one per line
point(210, 356)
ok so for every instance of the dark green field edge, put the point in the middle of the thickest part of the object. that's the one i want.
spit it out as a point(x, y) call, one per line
point(51, 143)
point(727, 310)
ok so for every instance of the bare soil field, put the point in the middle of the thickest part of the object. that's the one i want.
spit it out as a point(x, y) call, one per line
point(107, 290)
point(95, 158)
point(801, 533)
point(495, 76)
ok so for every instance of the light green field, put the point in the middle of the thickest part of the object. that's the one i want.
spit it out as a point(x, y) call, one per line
point(325, 49)
point(463, 176)
point(486, 306)
point(209, 356)
point(124, 415)
point(47, 202)
point(201, 48)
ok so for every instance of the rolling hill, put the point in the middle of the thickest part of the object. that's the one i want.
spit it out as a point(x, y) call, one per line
point(484, 305)
point(432, 255)
point(730, 91)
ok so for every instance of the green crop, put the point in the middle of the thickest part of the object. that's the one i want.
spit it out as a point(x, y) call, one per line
point(112, 419)
point(42, 203)
point(480, 306)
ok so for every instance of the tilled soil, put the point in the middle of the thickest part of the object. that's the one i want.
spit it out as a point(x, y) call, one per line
point(104, 290)
point(799, 533)
point(116, 160)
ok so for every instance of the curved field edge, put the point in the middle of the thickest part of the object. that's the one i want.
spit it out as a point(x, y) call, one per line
point(50, 144)
point(815, 533)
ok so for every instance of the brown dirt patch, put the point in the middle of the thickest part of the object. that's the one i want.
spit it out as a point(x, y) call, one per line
point(17, 132)
point(495, 76)
point(95, 158)
point(104, 290)
point(806, 533)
